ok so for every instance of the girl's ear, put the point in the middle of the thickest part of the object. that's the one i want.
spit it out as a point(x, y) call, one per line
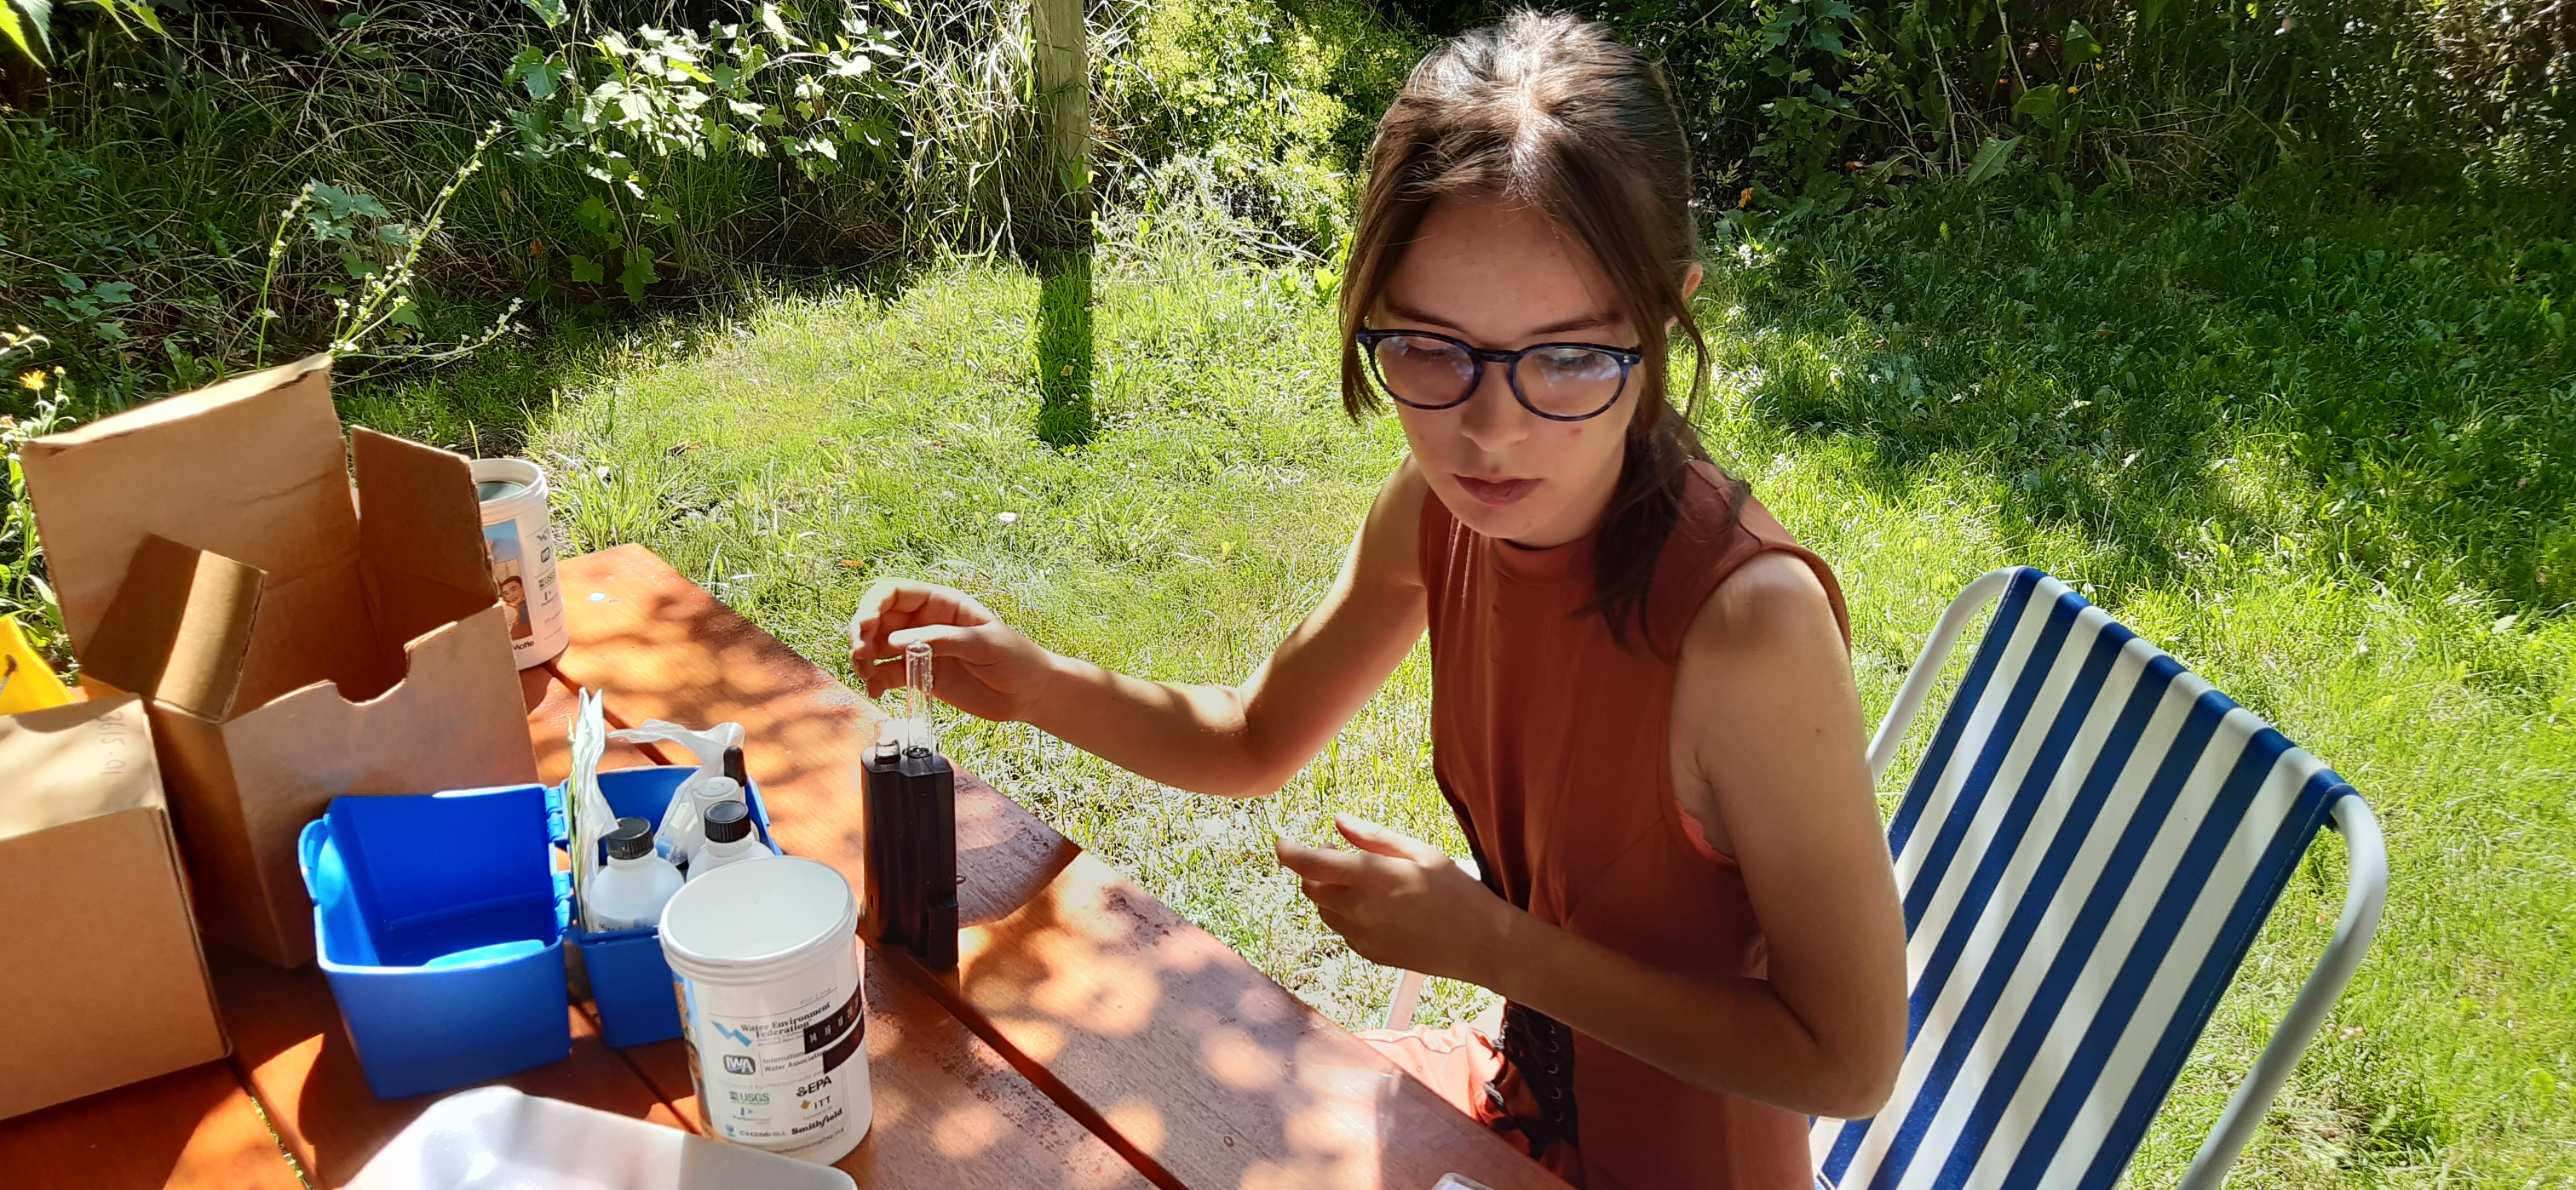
point(1691, 278)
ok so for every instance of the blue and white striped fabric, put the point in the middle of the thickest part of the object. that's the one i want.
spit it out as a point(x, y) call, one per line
point(2090, 846)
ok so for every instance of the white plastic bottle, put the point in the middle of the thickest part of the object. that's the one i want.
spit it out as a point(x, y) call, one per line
point(730, 839)
point(632, 889)
point(683, 829)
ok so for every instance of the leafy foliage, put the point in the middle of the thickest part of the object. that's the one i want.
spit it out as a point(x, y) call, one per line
point(621, 107)
point(357, 230)
point(1282, 127)
point(2181, 94)
point(22, 582)
point(29, 24)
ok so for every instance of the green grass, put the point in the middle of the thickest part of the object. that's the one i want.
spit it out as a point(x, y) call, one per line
point(2247, 468)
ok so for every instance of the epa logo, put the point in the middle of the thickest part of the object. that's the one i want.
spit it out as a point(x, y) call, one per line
point(740, 1064)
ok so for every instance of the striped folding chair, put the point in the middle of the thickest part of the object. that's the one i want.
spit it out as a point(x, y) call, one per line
point(2092, 842)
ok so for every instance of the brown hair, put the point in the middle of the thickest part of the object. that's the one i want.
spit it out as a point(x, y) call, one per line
point(1552, 112)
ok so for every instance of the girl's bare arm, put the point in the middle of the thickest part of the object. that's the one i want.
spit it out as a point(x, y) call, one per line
point(1238, 741)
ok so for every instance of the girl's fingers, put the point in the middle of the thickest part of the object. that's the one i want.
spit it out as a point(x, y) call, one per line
point(1322, 865)
point(972, 646)
point(1369, 836)
point(893, 605)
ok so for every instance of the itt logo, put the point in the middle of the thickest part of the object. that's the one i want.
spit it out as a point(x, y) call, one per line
point(739, 1038)
point(740, 1064)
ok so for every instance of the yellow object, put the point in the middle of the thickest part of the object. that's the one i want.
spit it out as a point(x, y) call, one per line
point(26, 682)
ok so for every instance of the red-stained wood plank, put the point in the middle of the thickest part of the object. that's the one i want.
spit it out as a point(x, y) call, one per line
point(1147, 1028)
point(948, 1110)
point(194, 1128)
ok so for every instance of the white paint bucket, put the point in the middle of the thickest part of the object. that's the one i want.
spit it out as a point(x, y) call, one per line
point(518, 544)
point(765, 958)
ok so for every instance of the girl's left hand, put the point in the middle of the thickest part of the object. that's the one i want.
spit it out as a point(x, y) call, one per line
point(1399, 902)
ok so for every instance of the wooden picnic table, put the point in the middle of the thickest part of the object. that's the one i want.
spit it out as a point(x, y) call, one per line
point(1090, 1036)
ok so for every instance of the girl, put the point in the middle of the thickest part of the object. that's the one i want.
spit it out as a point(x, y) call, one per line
point(1642, 705)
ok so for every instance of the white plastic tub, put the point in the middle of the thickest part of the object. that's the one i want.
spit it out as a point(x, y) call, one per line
point(495, 1138)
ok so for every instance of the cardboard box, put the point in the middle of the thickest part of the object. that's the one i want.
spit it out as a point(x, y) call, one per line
point(211, 556)
point(101, 979)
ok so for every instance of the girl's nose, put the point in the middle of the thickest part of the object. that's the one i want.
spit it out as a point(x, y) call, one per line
point(1490, 418)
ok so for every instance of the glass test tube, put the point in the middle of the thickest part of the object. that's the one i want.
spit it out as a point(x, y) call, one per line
point(920, 737)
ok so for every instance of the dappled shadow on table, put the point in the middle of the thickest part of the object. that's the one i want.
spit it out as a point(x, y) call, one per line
point(1139, 1024)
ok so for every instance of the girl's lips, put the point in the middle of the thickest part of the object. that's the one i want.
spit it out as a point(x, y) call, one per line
point(1497, 491)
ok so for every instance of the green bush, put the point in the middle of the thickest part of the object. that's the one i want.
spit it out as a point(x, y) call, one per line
point(1281, 127)
point(251, 182)
point(653, 150)
point(2178, 95)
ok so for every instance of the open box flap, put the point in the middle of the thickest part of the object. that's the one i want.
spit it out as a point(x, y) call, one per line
point(421, 532)
point(417, 511)
point(179, 628)
point(252, 469)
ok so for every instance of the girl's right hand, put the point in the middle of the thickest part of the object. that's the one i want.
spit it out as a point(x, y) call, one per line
point(979, 664)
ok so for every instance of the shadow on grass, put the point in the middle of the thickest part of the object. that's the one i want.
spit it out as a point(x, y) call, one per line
point(2360, 390)
point(1064, 349)
point(491, 403)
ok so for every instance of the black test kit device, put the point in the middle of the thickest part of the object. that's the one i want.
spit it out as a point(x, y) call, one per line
point(910, 814)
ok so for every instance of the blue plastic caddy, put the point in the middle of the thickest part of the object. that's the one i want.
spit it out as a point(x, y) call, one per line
point(629, 981)
point(439, 920)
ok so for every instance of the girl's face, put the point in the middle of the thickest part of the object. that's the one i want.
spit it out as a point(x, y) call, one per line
point(1502, 277)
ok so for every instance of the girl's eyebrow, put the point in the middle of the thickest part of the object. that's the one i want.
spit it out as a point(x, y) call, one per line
point(1587, 322)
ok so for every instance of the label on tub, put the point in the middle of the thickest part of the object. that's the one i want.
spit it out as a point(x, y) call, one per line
point(781, 1080)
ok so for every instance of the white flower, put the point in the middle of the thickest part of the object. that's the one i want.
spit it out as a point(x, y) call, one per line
point(1009, 518)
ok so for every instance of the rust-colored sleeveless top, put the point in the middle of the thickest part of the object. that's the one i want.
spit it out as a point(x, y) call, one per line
point(1553, 745)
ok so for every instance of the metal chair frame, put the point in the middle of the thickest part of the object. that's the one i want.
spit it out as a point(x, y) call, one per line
point(2365, 894)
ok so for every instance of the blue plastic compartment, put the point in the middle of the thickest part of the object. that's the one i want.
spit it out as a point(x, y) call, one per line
point(630, 982)
point(438, 919)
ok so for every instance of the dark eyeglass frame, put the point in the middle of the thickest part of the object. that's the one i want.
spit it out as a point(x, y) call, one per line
point(1368, 340)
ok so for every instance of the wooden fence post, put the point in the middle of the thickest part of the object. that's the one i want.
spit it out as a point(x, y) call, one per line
point(1064, 347)
point(1063, 62)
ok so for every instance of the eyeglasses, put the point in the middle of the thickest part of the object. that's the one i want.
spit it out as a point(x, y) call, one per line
point(1564, 381)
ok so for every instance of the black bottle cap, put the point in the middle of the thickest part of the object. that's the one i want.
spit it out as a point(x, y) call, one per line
point(728, 821)
point(733, 767)
point(633, 839)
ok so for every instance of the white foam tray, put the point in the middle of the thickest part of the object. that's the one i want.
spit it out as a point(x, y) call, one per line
point(495, 1138)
